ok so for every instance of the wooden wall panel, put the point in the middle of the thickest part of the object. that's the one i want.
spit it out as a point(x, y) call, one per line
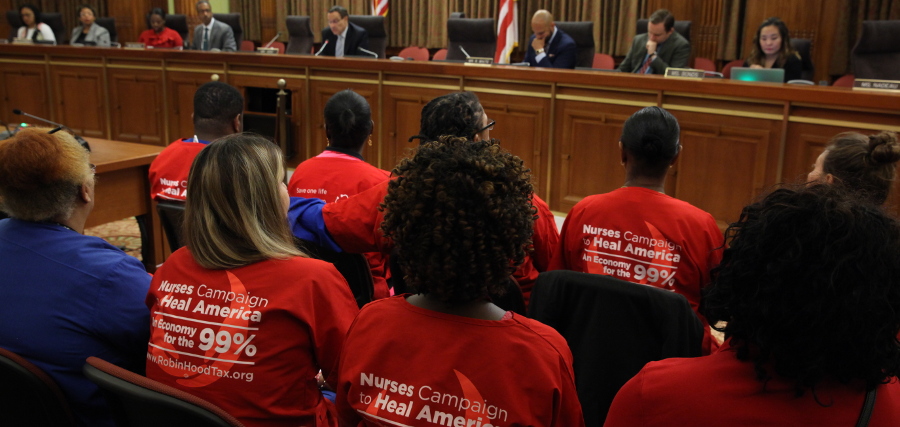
point(136, 106)
point(81, 99)
point(181, 88)
point(402, 108)
point(15, 77)
point(589, 159)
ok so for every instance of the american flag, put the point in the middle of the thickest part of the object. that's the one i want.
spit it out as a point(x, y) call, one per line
point(380, 7)
point(507, 31)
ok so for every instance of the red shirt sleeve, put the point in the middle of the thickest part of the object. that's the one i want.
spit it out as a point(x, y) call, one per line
point(354, 223)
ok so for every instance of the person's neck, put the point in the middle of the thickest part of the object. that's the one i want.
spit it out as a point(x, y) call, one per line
point(32, 26)
point(477, 309)
point(655, 184)
point(210, 136)
point(76, 221)
point(86, 27)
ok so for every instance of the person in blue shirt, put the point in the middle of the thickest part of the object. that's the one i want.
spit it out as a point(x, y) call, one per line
point(549, 46)
point(65, 296)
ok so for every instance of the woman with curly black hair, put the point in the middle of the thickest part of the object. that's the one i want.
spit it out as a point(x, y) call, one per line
point(461, 216)
point(809, 288)
point(866, 164)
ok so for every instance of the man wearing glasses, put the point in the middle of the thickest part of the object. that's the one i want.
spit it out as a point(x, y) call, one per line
point(341, 37)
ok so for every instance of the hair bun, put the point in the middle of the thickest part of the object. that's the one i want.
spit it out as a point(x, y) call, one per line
point(884, 148)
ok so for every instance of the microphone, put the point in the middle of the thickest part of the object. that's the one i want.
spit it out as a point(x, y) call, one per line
point(368, 51)
point(273, 39)
point(321, 48)
point(77, 138)
point(464, 52)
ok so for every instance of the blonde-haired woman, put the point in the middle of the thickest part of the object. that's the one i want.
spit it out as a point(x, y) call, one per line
point(240, 316)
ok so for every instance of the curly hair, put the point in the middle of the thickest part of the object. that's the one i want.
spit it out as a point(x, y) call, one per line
point(809, 287)
point(864, 163)
point(456, 114)
point(460, 214)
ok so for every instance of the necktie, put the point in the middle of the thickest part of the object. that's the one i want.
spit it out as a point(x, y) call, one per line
point(339, 47)
point(205, 38)
point(646, 65)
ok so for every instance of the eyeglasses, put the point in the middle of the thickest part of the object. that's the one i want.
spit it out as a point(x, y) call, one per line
point(490, 126)
point(93, 168)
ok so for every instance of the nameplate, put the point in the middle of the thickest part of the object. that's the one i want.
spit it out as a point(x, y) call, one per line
point(472, 60)
point(684, 73)
point(877, 85)
point(267, 50)
point(133, 45)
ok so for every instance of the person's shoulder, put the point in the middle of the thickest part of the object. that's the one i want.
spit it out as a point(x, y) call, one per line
point(679, 39)
point(358, 29)
point(565, 37)
point(556, 344)
point(222, 26)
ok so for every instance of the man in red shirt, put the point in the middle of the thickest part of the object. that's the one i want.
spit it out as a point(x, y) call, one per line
point(218, 111)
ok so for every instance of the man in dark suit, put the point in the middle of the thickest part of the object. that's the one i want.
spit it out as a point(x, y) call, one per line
point(659, 48)
point(211, 34)
point(343, 38)
point(549, 46)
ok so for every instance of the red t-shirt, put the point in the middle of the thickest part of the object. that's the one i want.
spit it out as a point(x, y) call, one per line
point(250, 339)
point(167, 38)
point(646, 237)
point(721, 390)
point(332, 176)
point(354, 225)
point(454, 370)
point(169, 171)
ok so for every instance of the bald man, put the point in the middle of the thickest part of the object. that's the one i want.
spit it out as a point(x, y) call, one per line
point(549, 46)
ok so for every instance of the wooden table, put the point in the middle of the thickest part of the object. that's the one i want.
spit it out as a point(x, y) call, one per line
point(123, 191)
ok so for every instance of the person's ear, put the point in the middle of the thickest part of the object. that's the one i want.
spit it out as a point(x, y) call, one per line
point(829, 179)
point(238, 123)
point(371, 127)
point(86, 192)
point(622, 153)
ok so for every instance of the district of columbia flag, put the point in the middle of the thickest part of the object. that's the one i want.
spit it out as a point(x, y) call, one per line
point(507, 31)
point(380, 7)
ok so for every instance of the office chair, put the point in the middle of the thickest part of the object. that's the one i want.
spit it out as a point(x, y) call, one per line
point(28, 396)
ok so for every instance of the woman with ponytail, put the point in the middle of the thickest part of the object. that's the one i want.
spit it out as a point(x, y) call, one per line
point(341, 171)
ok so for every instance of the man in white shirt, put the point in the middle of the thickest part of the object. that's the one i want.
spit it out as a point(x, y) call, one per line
point(212, 35)
point(341, 37)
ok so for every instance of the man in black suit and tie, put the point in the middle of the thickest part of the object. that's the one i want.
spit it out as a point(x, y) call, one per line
point(549, 46)
point(211, 34)
point(342, 37)
point(657, 49)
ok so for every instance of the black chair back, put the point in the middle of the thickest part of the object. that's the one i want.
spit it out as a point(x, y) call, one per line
point(171, 216)
point(613, 328)
point(14, 21)
point(110, 25)
point(876, 54)
point(177, 22)
point(354, 267)
point(374, 25)
point(138, 401)
point(583, 34)
point(55, 21)
point(457, 15)
point(804, 48)
point(301, 36)
point(29, 396)
point(234, 21)
point(477, 36)
point(681, 27)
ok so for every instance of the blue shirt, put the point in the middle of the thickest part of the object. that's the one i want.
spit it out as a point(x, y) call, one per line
point(66, 296)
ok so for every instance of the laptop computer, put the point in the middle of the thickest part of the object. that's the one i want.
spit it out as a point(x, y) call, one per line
point(747, 74)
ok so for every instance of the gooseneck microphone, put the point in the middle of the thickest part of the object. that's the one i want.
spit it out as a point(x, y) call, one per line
point(369, 52)
point(321, 48)
point(77, 138)
point(464, 51)
point(269, 44)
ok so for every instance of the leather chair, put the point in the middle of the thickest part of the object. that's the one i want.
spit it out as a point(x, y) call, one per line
point(726, 70)
point(803, 47)
point(247, 46)
point(110, 25)
point(374, 25)
point(234, 21)
point(54, 20)
point(178, 22)
point(440, 55)
point(704, 64)
point(583, 34)
point(603, 61)
point(846, 80)
point(354, 267)
point(29, 396)
point(171, 216)
point(477, 36)
point(14, 21)
point(457, 15)
point(876, 54)
point(301, 36)
point(138, 401)
point(681, 27)
point(613, 328)
point(415, 53)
